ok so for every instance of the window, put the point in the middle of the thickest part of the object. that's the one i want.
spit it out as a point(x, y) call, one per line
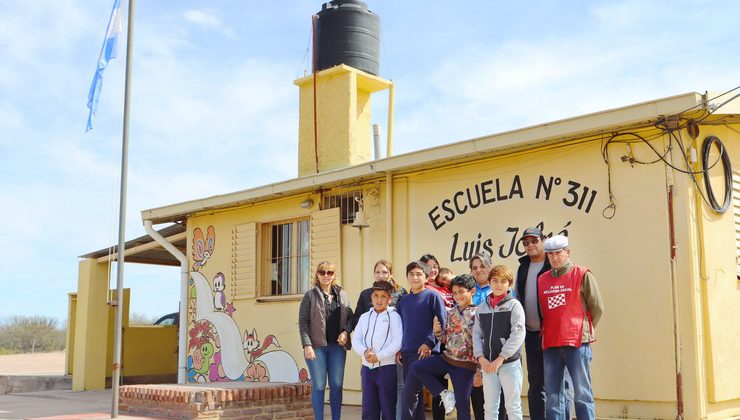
point(346, 203)
point(288, 267)
point(289, 251)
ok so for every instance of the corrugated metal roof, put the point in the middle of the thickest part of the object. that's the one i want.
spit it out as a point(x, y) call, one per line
point(158, 255)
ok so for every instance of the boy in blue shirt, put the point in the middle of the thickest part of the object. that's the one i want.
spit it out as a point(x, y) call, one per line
point(418, 309)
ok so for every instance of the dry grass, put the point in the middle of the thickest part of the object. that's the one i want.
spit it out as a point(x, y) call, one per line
point(32, 364)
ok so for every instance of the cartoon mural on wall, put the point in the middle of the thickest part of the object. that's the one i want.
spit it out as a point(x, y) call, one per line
point(219, 297)
point(280, 365)
point(217, 351)
point(203, 246)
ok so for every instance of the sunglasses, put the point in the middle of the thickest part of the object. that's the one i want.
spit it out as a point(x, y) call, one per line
point(530, 241)
point(325, 273)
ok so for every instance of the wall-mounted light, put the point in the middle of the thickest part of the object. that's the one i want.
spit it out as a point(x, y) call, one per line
point(306, 204)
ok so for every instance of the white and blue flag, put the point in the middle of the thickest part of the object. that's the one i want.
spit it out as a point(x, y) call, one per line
point(108, 52)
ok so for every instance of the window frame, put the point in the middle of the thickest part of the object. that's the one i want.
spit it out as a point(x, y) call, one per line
point(345, 202)
point(265, 276)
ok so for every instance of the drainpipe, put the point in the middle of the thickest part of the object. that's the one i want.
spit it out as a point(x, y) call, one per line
point(389, 176)
point(182, 343)
point(391, 104)
point(389, 215)
point(674, 303)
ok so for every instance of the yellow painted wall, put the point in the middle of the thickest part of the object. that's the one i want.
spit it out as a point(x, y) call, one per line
point(720, 287)
point(278, 318)
point(634, 365)
point(630, 275)
point(150, 350)
point(89, 364)
point(708, 292)
point(147, 349)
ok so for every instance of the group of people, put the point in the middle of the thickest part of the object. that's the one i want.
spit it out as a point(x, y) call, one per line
point(469, 328)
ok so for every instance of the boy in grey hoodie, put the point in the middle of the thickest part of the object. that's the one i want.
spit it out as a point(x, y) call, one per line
point(498, 335)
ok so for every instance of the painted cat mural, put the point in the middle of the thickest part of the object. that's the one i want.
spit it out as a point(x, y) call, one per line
point(280, 365)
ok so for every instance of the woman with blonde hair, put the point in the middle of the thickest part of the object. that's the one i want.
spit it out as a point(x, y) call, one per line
point(383, 270)
point(324, 322)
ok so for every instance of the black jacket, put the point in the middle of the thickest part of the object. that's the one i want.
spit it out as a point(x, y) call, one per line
point(521, 279)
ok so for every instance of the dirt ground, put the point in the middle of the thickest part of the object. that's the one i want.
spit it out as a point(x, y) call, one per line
point(32, 364)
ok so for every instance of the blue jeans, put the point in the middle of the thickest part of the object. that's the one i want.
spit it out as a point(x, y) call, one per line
point(478, 401)
point(399, 391)
point(509, 378)
point(536, 378)
point(428, 371)
point(415, 389)
point(578, 363)
point(329, 362)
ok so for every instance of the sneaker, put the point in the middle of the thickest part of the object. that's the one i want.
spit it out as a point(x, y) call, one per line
point(448, 400)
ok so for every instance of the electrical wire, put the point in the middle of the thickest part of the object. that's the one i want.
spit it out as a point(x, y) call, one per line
point(708, 113)
point(727, 166)
point(692, 174)
point(304, 61)
point(610, 210)
point(729, 127)
point(385, 56)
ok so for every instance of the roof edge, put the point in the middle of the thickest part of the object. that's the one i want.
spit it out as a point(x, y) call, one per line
point(549, 132)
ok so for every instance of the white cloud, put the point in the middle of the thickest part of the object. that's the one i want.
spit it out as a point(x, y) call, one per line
point(620, 14)
point(488, 87)
point(202, 18)
point(208, 21)
point(31, 30)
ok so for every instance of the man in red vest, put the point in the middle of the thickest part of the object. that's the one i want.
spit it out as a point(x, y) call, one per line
point(531, 266)
point(571, 307)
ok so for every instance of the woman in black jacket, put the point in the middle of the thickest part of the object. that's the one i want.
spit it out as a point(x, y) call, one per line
point(324, 321)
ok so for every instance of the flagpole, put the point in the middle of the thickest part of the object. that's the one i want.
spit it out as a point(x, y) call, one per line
point(122, 215)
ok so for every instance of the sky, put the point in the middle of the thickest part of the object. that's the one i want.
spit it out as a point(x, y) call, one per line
point(214, 109)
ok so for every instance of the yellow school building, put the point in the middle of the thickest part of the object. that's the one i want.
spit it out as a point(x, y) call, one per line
point(644, 192)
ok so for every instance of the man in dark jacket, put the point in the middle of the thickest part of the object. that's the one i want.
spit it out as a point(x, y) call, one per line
point(530, 267)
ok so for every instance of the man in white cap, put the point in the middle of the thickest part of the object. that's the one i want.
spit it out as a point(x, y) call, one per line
point(571, 307)
point(531, 266)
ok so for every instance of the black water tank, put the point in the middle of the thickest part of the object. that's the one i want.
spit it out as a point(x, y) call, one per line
point(348, 33)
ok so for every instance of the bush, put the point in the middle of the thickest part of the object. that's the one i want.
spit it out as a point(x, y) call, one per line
point(137, 318)
point(31, 334)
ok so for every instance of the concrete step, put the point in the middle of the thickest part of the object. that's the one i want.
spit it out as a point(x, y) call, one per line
point(14, 384)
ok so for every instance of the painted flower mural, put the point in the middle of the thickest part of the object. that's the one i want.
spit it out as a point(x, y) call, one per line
point(200, 334)
point(256, 372)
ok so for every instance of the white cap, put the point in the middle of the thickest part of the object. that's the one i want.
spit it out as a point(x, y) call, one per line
point(556, 243)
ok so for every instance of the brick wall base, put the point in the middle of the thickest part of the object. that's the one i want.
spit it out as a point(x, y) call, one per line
point(233, 400)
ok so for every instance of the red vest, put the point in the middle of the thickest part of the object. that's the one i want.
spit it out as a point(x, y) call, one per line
point(562, 311)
